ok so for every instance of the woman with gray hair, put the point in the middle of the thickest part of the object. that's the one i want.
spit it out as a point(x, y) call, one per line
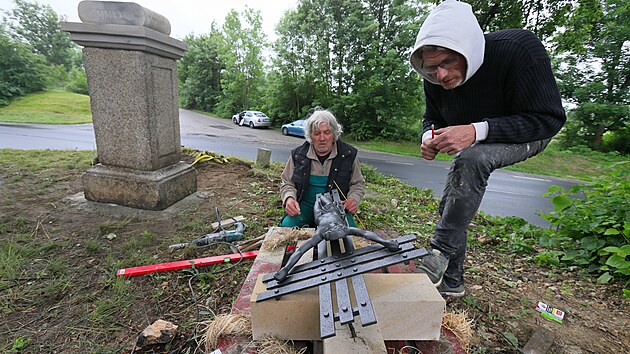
point(321, 164)
point(322, 116)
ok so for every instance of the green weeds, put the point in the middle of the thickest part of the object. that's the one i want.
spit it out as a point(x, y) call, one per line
point(20, 344)
point(113, 227)
point(591, 227)
point(11, 260)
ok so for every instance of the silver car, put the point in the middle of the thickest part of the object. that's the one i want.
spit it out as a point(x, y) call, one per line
point(253, 119)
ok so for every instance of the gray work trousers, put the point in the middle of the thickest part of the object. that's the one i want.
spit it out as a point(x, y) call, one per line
point(465, 186)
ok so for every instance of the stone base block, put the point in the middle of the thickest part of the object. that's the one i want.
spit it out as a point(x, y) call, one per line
point(364, 340)
point(407, 306)
point(295, 316)
point(149, 190)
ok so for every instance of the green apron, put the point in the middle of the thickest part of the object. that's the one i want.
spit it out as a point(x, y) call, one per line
point(316, 185)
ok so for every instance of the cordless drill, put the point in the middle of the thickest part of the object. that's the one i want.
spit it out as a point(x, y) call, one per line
point(221, 236)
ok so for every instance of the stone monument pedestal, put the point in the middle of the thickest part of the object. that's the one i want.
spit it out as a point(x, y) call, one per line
point(130, 62)
point(152, 190)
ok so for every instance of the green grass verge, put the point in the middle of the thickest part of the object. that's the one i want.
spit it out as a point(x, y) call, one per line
point(583, 166)
point(48, 107)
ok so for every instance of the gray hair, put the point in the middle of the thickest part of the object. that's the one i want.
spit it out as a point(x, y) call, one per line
point(318, 117)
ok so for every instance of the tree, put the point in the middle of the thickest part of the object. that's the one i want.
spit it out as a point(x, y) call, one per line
point(539, 16)
point(385, 99)
point(38, 26)
point(595, 73)
point(199, 71)
point(241, 51)
point(352, 56)
point(300, 73)
point(21, 71)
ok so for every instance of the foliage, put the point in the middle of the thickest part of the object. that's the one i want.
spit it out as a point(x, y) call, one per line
point(199, 72)
point(385, 207)
point(617, 140)
point(77, 82)
point(21, 71)
point(351, 57)
point(540, 17)
point(592, 226)
point(594, 73)
point(20, 344)
point(241, 51)
point(38, 26)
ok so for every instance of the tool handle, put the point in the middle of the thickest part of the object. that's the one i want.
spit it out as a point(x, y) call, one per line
point(178, 246)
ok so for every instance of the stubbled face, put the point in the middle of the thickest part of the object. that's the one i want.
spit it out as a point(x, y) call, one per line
point(453, 75)
point(323, 139)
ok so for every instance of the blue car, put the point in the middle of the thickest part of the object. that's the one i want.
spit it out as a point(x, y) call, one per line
point(294, 128)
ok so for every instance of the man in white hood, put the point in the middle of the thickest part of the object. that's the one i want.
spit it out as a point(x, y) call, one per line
point(493, 101)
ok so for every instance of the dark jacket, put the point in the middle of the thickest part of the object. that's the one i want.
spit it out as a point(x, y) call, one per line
point(340, 170)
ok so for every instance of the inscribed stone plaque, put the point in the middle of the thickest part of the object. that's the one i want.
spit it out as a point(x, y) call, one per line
point(122, 13)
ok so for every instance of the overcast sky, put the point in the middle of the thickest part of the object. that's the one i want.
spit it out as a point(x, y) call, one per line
point(186, 16)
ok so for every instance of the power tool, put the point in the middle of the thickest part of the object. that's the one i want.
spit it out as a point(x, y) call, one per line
point(219, 236)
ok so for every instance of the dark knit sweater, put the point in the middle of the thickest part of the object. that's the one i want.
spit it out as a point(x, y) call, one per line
point(514, 91)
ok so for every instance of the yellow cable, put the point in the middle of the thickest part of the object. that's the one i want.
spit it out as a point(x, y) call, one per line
point(344, 197)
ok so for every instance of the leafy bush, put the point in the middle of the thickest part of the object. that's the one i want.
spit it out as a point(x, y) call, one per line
point(57, 76)
point(592, 226)
point(77, 82)
point(617, 141)
point(21, 71)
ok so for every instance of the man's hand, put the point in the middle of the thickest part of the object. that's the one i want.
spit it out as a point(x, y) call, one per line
point(351, 205)
point(428, 149)
point(450, 140)
point(292, 207)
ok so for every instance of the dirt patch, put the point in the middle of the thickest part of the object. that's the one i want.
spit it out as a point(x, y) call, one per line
point(59, 291)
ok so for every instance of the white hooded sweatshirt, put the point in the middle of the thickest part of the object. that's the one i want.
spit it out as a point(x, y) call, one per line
point(451, 25)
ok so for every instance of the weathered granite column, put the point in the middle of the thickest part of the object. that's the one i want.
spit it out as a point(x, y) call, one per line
point(130, 62)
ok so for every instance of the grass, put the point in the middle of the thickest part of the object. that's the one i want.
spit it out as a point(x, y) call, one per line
point(48, 107)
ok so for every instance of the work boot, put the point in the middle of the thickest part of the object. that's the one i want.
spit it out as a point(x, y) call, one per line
point(434, 265)
point(447, 291)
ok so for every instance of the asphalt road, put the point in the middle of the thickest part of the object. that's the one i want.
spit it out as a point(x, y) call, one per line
point(508, 193)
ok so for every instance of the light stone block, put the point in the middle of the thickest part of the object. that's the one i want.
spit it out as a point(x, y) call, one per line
point(407, 307)
point(368, 340)
point(263, 158)
point(295, 316)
